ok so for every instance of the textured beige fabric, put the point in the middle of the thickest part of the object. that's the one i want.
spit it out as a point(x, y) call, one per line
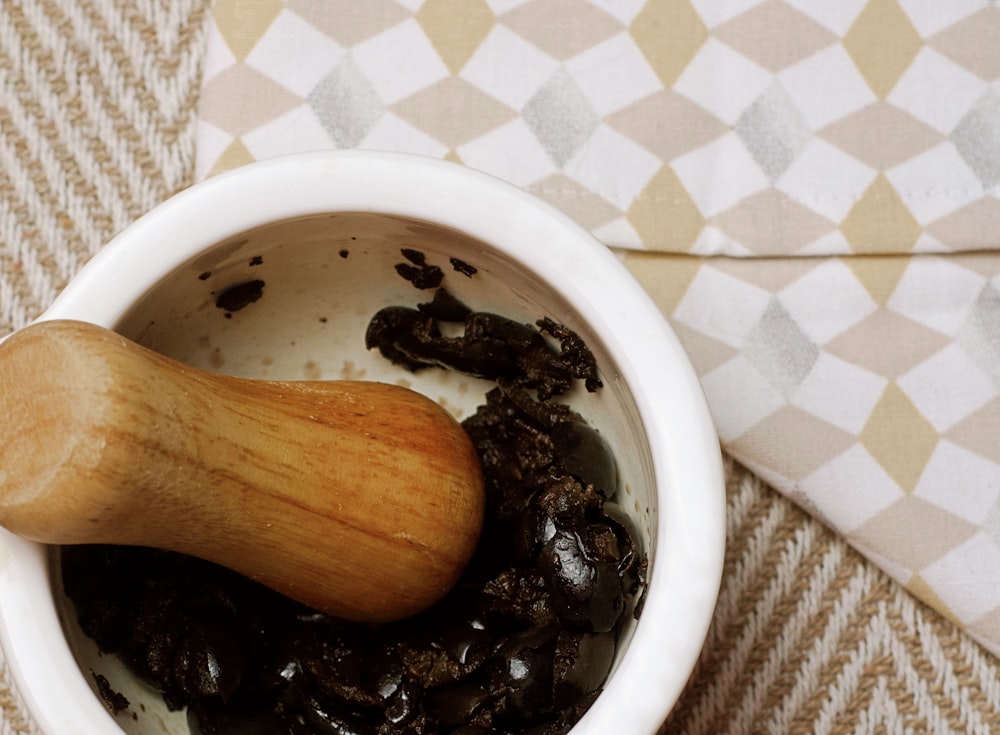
point(98, 106)
point(742, 127)
point(97, 115)
point(97, 111)
point(833, 168)
point(809, 638)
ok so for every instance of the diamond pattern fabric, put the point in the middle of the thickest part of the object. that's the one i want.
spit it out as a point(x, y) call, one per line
point(878, 410)
point(809, 191)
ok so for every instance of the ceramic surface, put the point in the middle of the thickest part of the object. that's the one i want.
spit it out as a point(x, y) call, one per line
point(324, 233)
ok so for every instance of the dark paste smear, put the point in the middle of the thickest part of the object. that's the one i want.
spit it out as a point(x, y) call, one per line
point(116, 702)
point(240, 296)
point(523, 643)
point(421, 276)
point(414, 256)
point(492, 346)
point(464, 268)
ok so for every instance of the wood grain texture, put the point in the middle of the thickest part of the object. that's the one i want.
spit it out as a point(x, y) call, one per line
point(361, 499)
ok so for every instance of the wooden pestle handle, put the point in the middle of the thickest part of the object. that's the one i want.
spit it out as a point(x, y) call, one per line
point(361, 499)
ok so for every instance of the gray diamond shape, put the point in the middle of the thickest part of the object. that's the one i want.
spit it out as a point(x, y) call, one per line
point(560, 117)
point(991, 524)
point(779, 348)
point(979, 336)
point(773, 131)
point(977, 138)
point(346, 103)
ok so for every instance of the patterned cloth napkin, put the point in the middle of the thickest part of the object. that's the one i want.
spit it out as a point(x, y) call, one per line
point(808, 189)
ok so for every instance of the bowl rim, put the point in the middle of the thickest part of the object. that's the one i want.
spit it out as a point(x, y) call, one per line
point(690, 524)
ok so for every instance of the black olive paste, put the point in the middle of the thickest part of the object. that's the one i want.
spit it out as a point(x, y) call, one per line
point(522, 644)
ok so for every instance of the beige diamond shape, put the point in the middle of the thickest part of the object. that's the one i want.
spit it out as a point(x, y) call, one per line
point(665, 277)
point(979, 432)
point(667, 124)
point(887, 343)
point(243, 24)
point(456, 28)
point(879, 274)
point(774, 35)
point(235, 155)
point(974, 43)
point(918, 587)
point(985, 263)
point(772, 274)
point(669, 34)
point(705, 353)
point(975, 225)
point(771, 222)
point(883, 43)
point(239, 99)
point(899, 437)
point(453, 111)
point(561, 28)
point(664, 215)
point(880, 221)
point(912, 533)
point(585, 207)
point(791, 442)
point(345, 21)
point(881, 135)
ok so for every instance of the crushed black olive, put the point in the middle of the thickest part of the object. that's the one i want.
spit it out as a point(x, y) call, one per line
point(418, 271)
point(522, 644)
point(116, 702)
point(240, 296)
point(445, 308)
point(462, 267)
point(492, 346)
point(414, 256)
point(421, 277)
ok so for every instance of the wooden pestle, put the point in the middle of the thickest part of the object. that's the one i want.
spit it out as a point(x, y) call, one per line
point(361, 499)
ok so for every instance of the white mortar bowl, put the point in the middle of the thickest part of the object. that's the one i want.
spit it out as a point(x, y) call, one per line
point(290, 222)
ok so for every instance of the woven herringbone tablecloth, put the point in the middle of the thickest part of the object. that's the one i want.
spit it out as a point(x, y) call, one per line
point(98, 112)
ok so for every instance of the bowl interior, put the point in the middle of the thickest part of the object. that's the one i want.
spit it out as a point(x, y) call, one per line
point(323, 277)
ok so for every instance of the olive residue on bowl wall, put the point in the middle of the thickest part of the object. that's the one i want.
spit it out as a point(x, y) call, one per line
point(256, 260)
point(464, 268)
point(116, 702)
point(204, 275)
point(522, 644)
point(418, 271)
point(240, 296)
point(491, 347)
point(415, 256)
